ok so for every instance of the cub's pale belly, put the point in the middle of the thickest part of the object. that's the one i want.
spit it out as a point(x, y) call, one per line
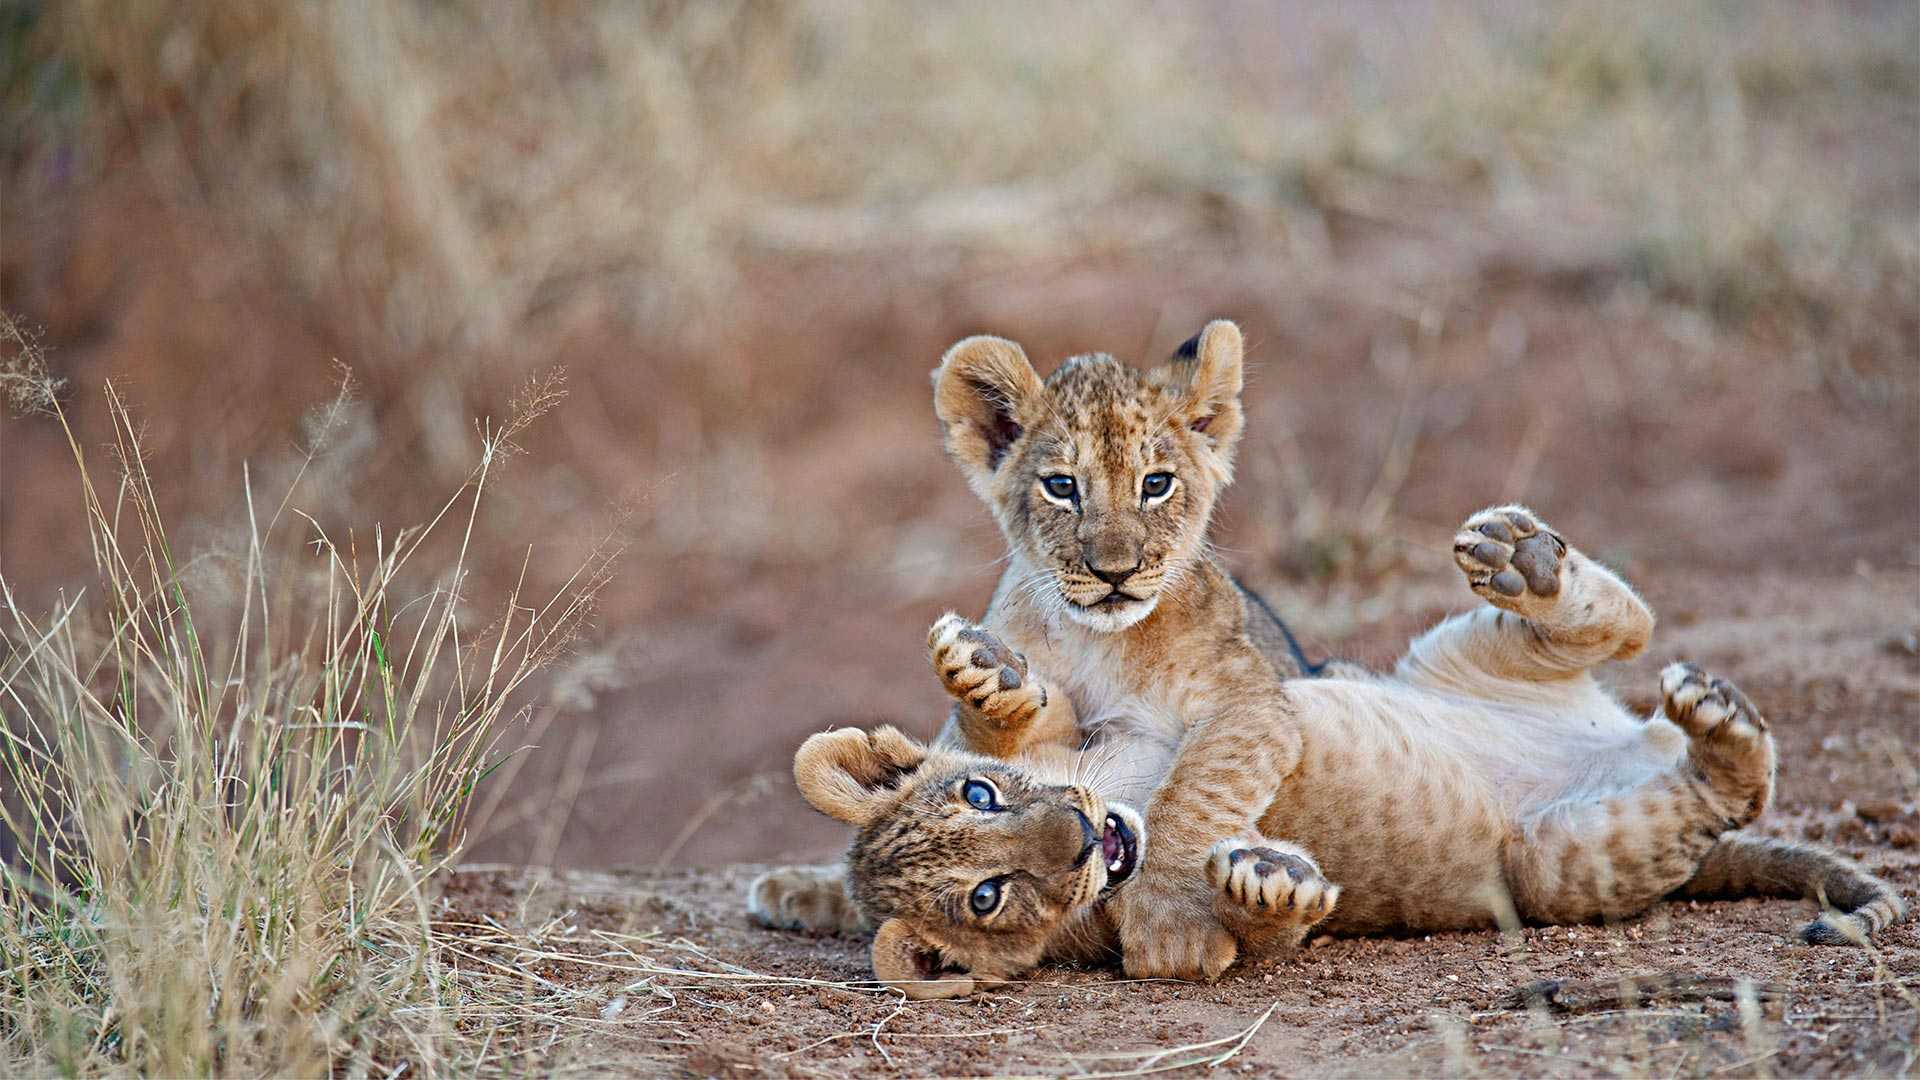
point(1413, 842)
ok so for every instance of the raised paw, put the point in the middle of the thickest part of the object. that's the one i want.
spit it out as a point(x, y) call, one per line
point(1706, 707)
point(803, 898)
point(979, 669)
point(1510, 557)
point(1269, 883)
point(1727, 738)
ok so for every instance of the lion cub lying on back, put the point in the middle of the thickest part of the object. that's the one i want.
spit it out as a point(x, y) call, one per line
point(1488, 777)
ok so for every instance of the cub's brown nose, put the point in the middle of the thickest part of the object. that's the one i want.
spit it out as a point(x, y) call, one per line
point(1088, 838)
point(1112, 575)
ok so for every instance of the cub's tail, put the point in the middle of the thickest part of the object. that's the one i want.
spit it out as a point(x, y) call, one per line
point(1857, 903)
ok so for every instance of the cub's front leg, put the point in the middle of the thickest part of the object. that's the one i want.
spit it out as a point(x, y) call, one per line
point(1268, 893)
point(1225, 774)
point(1001, 706)
point(1556, 612)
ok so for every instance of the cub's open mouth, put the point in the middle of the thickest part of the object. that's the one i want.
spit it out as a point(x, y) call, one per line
point(1112, 599)
point(1120, 849)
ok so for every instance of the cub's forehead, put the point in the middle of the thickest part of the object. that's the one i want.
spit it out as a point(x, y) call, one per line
point(1097, 405)
point(1096, 382)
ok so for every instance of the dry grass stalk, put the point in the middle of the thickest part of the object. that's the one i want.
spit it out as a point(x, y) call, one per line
point(1207, 1054)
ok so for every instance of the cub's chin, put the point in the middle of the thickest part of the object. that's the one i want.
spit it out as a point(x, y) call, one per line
point(1113, 614)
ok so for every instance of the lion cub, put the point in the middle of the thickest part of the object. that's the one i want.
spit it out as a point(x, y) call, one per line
point(1120, 667)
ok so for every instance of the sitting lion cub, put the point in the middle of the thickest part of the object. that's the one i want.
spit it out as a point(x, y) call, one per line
point(1488, 778)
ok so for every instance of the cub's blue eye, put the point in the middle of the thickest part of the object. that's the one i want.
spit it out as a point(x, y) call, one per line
point(1156, 485)
point(980, 795)
point(1060, 487)
point(985, 897)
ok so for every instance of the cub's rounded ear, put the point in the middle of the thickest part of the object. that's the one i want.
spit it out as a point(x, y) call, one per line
point(850, 774)
point(909, 962)
point(985, 393)
point(1213, 361)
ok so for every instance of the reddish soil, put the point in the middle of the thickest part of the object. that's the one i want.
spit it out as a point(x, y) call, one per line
point(724, 998)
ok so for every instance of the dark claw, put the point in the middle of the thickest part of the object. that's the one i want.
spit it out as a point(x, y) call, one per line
point(1508, 583)
point(1736, 699)
point(1745, 705)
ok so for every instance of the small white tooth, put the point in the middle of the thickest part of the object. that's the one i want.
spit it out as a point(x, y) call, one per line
point(1114, 866)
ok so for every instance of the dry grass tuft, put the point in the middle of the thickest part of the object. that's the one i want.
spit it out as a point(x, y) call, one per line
point(223, 826)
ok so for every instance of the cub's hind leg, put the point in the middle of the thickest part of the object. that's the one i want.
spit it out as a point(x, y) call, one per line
point(804, 898)
point(1555, 612)
point(1614, 855)
point(1268, 893)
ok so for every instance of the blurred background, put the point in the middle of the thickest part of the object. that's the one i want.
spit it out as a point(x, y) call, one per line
point(1652, 267)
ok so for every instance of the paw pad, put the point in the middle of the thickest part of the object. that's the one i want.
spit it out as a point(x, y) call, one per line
point(1508, 552)
point(976, 667)
point(1267, 862)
